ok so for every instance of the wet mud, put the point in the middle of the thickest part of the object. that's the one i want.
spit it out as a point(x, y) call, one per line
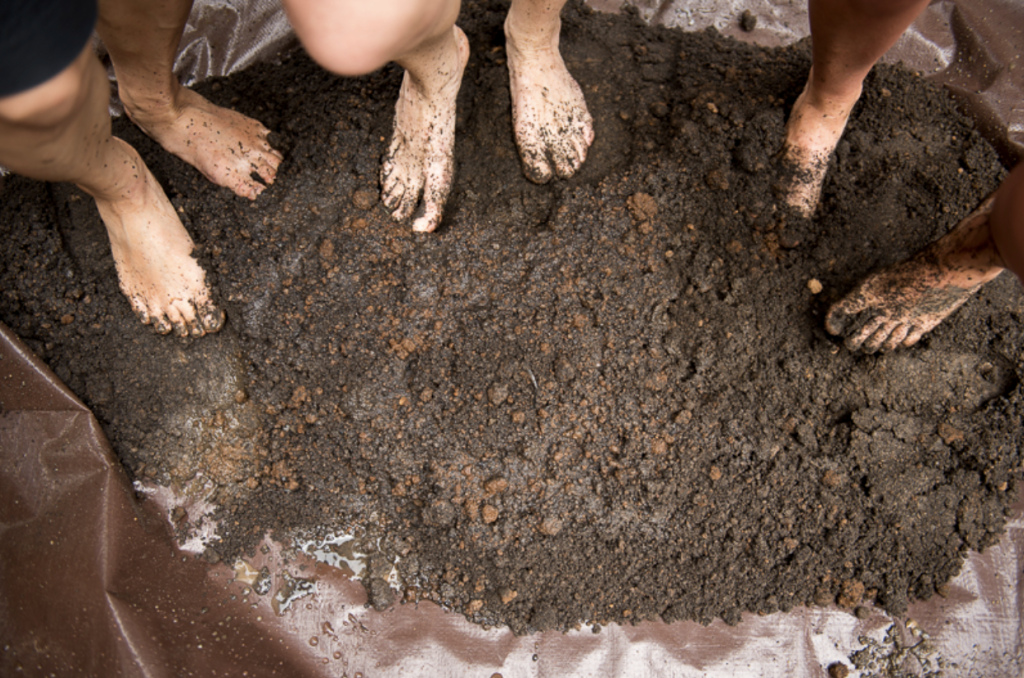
point(598, 400)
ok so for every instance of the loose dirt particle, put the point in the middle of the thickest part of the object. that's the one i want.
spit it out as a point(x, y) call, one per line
point(364, 200)
point(838, 670)
point(495, 486)
point(950, 434)
point(850, 594)
point(551, 526)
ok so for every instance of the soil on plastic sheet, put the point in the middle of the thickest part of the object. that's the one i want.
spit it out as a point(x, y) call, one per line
point(603, 399)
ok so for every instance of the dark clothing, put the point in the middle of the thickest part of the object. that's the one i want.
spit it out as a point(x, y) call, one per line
point(40, 38)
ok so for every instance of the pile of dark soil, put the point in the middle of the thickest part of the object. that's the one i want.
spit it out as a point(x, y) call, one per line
point(604, 399)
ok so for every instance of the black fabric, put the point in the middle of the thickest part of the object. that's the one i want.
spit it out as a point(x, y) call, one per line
point(40, 38)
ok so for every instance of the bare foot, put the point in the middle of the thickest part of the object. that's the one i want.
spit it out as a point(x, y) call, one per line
point(419, 161)
point(897, 306)
point(553, 127)
point(812, 132)
point(153, 254)
point(226, 146)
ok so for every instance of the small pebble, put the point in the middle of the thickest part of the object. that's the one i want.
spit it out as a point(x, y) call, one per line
point(838, 670)
point(748, 21)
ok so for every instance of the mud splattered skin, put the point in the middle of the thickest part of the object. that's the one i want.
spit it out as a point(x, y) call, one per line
point(553, 127)
point(419, 163)
point(897, 306)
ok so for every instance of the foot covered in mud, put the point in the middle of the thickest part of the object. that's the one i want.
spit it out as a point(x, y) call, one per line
point(226, 146)
point(153, 254)
point(552, 125)
point(812, 132)
point(419, 162)
point(900, 304)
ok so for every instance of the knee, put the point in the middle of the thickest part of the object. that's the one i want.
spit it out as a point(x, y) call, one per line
point(52, 103)
point(354, 37)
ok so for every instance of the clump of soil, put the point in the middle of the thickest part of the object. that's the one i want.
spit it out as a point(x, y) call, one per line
point(603, 399)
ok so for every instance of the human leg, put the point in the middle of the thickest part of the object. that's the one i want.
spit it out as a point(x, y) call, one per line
point(898, 305)
point(848, 37)
point(142, 37)
point(552, 125)
point(60, 131)
point(352, 37)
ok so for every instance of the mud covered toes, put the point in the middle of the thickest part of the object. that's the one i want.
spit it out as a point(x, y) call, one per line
point(553, 127)
point(900, 304)
point(418, 167)
point(185, 319)
point(868, 332)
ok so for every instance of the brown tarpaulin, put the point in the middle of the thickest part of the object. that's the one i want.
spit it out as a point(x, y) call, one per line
point(92, 582)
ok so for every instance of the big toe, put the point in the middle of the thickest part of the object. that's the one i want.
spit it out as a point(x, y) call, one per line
point(838, 321)
point(536, 165)
point(211, 318)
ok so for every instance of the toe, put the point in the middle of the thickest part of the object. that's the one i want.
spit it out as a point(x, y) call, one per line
point(246, 188)
point(393, 195)
point(838, 320)
point(896, 337)
point(266, 171)
point(429, 221)
point(404, 209)
point(211, 317)
point(161, 325)
point(273, 158)
point(392, 189)
point(588, 131)
point(878, 338)
point(564, 160)
point(139, 307)
point(405, 204)
point(582, 146)
point(913, 336)
point(178, 320)
point(536, 167)
point(842, 316)
point(857, 337)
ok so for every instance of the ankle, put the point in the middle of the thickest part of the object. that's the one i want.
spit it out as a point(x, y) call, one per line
point(126, 188)
point(533, 36)
point(150, 105)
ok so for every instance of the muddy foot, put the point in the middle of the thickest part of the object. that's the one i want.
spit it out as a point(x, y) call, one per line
point(153, 253)
point(812, 132)
point(552, 125)
point(226, 146)
point(897, 306)
point(419, 161)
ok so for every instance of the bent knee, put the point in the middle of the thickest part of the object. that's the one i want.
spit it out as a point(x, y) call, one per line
point(354, 37)
point(348, 57)
point(53, 102)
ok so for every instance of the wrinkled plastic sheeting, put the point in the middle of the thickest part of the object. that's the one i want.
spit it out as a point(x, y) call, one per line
point(91, 583)
point(973, 47)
